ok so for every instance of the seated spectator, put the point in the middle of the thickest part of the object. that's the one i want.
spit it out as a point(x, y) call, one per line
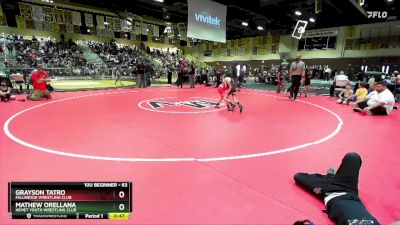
point(360, 95)
point(397, 85)
point(340, 81)
point(345, 94)
point(5, 91)
point(378, 102)
point(339, 192)
point(40, 78)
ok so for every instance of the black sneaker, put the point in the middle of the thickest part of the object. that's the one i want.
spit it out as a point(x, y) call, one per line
point(356, 109)
point(241, 108)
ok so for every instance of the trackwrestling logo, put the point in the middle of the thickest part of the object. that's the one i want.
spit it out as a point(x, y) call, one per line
point(199, 104)
point(173, 105)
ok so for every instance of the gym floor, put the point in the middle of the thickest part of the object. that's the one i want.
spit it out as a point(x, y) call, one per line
point(193, 164)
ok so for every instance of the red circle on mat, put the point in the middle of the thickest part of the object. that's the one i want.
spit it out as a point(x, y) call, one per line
point(113, 125)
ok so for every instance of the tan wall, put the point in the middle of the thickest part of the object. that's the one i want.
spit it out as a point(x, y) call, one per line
point(289, 45)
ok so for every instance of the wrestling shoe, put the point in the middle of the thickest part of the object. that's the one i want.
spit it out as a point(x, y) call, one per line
point(356, 109)
point(241, 108)
point(217, 106)
point(233, 106)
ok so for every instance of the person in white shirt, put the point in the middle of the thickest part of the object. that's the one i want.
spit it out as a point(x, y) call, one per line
point(340, 81)
point(378, 102)
point(327, 73)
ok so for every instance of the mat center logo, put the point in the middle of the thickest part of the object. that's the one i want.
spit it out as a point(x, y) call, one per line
point(176, 105)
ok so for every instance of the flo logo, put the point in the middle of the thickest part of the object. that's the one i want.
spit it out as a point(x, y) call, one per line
point(175, 105)
point(377, 14)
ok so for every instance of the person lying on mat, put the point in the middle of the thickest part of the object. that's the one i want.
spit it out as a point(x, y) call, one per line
point(378, 102)
point(339, 191)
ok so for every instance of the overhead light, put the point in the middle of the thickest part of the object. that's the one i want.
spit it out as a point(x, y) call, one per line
point(128, 22)
point(312, 20)
point(260, 28)
point(390, 0)
point(159, 0)
point(88, 30)
point(106, 23)
point(298, 13)
point(245, 24)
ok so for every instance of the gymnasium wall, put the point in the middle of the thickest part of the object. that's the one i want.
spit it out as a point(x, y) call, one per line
point(352, 42)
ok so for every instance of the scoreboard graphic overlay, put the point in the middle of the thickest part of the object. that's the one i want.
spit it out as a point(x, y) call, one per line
point(70, 200)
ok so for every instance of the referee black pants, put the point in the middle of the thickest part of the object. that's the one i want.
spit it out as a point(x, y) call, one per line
point(344, 209)
point(294, 88)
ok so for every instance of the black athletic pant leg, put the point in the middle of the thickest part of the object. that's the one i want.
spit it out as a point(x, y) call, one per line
point(311, 181)
point(380, 111)
point(348, 173)
point(296, 82)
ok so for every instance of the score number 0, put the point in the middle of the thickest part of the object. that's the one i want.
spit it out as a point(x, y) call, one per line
point(121, 195)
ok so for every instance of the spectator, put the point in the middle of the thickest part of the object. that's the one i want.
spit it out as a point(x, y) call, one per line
point(307, 83)
point(40, 78)
point(339, 81)
point(360, 95)
point(141, 70)
point(179, 81)
point(5, 91)
point(149, 73)
point(345, 94)
point(378, 102)
point(192, 73)
point(234, 74)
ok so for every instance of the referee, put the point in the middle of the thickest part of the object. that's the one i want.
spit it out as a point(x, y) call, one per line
point(297, 74)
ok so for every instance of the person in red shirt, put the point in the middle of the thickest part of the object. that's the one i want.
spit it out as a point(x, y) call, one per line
point(40, 78)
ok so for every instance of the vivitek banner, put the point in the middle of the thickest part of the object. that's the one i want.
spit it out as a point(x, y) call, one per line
point(206, 20)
